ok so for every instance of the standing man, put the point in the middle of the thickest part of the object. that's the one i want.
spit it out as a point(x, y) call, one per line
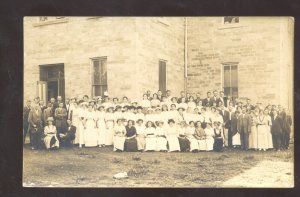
point(215, 98)
point(287, 123)
point(244, 128)
point(67, 106)
point(26, 111)
point(225, 115)
point(168, 96)
point(207, 100)
point(52, 101)
point(182, 95)
point(35, 126)
point(228, 125)
point(159, 95)
point(61, 118)
point(276, 130)
point(223, 98)
point(198, 98)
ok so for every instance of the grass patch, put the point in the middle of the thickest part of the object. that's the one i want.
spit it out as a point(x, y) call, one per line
point(138, 170)
point(136, 158)
point(117, 160)
point(250, 157)
point(155, 161)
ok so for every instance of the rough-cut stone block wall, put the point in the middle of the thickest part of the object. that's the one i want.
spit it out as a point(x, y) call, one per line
point(254, 44)
point(160, 38)
point(133, 47)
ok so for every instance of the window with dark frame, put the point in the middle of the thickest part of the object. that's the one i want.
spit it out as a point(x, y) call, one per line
point(230, 82)
point(231, 19)
point(99, 76)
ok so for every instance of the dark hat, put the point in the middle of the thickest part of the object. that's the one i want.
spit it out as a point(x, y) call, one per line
point(171, 120)
point(139, 107)
point(118, 107)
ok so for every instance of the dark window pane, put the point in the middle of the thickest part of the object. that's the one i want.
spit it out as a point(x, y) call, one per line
point(235, 92)
point(234, 76)
point(227, 91)
point(226, 76)
point(103, 72)
point(97, 90)
point(162, 76)
point(96, 78)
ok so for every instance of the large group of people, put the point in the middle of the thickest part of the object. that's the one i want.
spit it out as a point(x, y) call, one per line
point(157, 122)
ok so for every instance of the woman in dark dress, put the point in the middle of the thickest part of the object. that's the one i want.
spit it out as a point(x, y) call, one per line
point(218, 143)
point(184, 143)
point(130, 142)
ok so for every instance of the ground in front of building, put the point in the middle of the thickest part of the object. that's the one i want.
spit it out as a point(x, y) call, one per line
point(95, 167)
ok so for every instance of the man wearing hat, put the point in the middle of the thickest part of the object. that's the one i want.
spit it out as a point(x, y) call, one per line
point(35, 126)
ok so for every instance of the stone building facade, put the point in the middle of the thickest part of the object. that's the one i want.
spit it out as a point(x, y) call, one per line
point(246, 57)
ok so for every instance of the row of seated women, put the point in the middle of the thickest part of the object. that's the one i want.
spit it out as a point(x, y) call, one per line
point(159, 137)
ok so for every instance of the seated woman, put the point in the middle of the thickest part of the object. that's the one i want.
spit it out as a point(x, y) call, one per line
point(50, 140)
point(161, 141)
point(140, 135)
point(119, 136)
point(200, 135)
point(150, 137)
point(183, 141)
point(190, 132)
point(172, 136)
point(218, 142)
point(130, 142)
point(209, 137)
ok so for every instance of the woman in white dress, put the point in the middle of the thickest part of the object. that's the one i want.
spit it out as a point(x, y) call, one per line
point(119, 136)
point(172, 136)
point(90, 132)
point(262, 131)
point(190, 134)
point(165, 114)
point(182, 103)
point(110, 122)
point(81, 123)
point(50, 140)
point(101, 126)
point(139, 114)
point(191, 103)
point(150, 139)
point(140, 134)
point(155, 102)
point(200, 135)
point(161, 141)
point(209, 137)
point(269, 126)
point(145, 103)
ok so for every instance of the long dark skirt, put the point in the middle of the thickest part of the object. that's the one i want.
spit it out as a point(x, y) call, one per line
point(218, 144)
point(130, 145)
point(184, 144)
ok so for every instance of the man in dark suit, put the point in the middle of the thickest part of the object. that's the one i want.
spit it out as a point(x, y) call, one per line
point(66, 138)
point(26, 111)
point(35, 126)
point(223, 99)
point(215, 97)
point(277, 130)
point(225, 115)
point(207, 100)
point(286, 128)
point(198, 98)
point(67, 106)
point(244, 128)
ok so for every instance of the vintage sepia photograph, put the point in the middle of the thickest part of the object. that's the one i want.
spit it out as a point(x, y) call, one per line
point(195, 102)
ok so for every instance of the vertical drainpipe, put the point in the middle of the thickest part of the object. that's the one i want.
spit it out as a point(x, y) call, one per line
point(185, 56)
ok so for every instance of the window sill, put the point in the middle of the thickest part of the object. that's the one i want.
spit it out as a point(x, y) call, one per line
point(56, 21)
point(231, 26)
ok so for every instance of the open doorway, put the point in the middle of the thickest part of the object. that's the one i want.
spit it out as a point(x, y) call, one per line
point(53, 76)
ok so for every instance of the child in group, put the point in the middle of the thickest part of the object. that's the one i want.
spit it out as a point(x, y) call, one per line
point(150, 137)
point(161, 141)
point(140, 134)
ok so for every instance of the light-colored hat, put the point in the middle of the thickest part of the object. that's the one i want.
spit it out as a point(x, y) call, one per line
point(50, 119)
